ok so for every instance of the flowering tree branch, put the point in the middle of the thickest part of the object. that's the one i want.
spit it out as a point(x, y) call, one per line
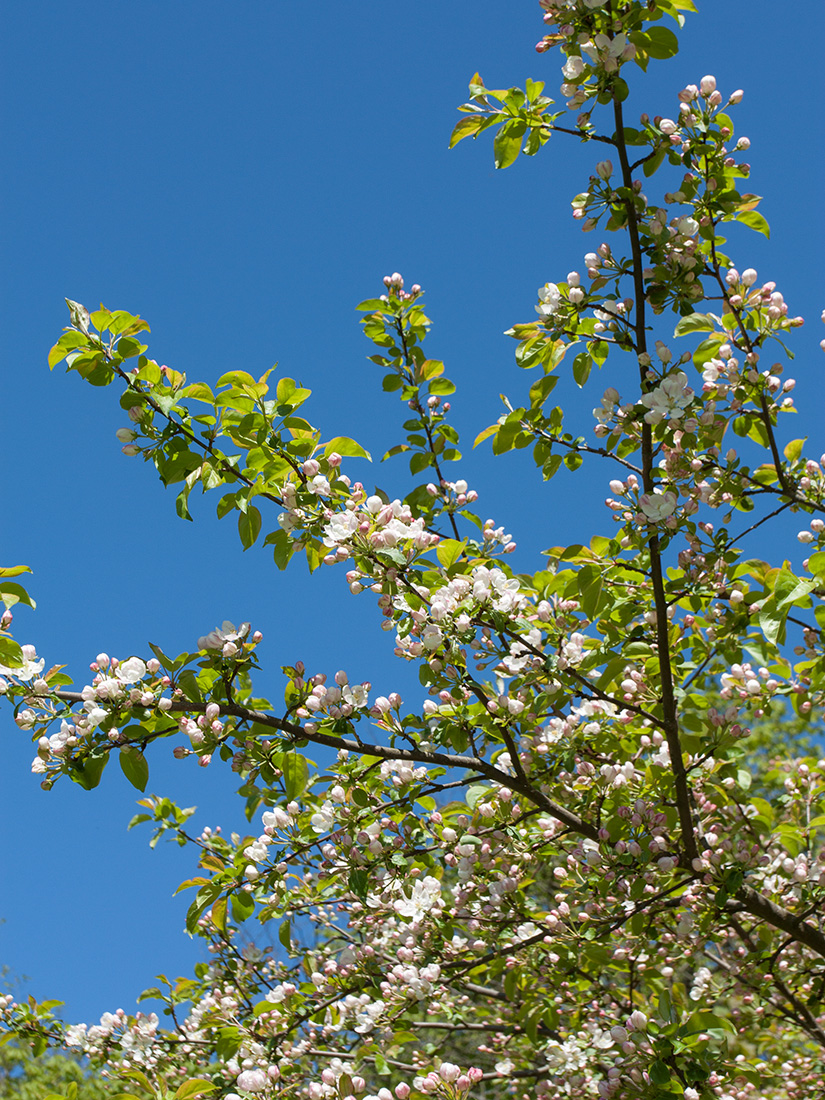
point(590, 861)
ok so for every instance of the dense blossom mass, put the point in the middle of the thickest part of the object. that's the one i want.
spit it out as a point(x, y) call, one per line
point(587, 862)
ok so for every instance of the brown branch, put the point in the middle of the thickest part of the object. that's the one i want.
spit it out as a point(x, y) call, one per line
point(425, 420)
point(386, 752)
point(776, 915)
point(806, 1019)
point(670, 722)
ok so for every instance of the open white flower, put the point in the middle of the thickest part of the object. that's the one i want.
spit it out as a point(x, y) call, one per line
point(658, 506)
point(424, 895)
point(215, 639)
point(669, 399)
point(29, 669)
point(132, 670)
point(549, 300)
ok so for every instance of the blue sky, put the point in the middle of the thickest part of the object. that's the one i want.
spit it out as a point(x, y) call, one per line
point(242, 174)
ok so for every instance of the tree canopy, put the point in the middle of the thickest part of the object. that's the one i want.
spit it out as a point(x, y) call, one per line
point(590, 864)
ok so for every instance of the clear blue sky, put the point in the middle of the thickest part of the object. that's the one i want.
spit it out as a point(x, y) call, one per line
point(242, 174)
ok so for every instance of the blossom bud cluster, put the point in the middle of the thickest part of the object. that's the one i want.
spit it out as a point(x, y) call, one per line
point(455, 493)
point(395, 286)
point(340, 699)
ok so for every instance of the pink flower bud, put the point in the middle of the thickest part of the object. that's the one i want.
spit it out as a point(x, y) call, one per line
point(449, 1072)
point(253, 1080)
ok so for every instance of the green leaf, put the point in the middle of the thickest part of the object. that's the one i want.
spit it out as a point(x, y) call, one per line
point(88, 772)
point(194, 1087)
point(11, 655)
point(651, 165)
point(11, 593)
point(466, 127)
point(754, 220)
point(449, 551)
point(128, 348)
point(662, 43)
point(443, 387)
point(382, 1066)
point(788, 590)
point(370, 305)
point(708, 348)
point(659, 1073)
point(187, 681)
point(190, 882)
point(285, 934)
point(599, 350)
point(694, 322)
point(421, 461)
point(486, 433)
point(430, 368)
point(582, 365)
point(551, 467)
point(139, 1076)
point(67, 342)
point(347, 447)
point(243, 906)
point(218, 913)
point(249, 526)
point(393, 451)
point(590, 589)
point(135, 767)
point(794, 449)
point(507, 143)
point(198, 391)
point(13, 570)
point(296, 775)
point(539, 392)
